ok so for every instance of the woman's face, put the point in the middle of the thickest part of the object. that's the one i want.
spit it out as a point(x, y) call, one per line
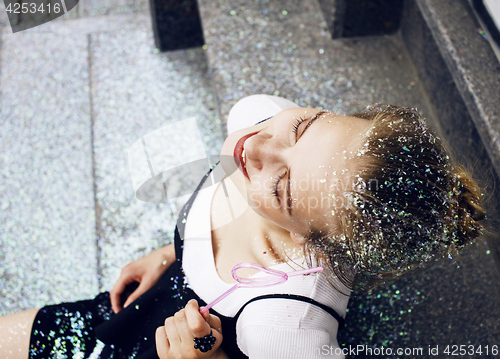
point(291, 165)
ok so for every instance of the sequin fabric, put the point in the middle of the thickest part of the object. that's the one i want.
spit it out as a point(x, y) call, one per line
point(90, 329)
point(67, 330)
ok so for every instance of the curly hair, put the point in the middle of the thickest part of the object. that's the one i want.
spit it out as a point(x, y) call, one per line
point(409, 204)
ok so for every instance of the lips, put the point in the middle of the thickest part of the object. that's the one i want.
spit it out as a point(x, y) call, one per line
point(239, 155)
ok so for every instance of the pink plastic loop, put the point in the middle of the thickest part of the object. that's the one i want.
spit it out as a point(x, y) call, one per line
point(274, 277)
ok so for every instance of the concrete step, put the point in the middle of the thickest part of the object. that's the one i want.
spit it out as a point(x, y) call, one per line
point(443, 40)
point(462, 76)
point(47, 242)
point(89, 8)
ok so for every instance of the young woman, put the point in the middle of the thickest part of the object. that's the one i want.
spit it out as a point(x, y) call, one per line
point(367, 196)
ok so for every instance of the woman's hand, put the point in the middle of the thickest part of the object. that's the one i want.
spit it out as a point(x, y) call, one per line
point(175, 339)
point(146, 271)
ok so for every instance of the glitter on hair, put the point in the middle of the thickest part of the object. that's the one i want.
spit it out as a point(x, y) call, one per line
point(421, 207)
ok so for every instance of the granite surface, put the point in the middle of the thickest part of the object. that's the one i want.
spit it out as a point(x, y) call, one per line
point(87, 26)
point(472, 64)
point(47, 239)
point(333, 13)
point(92, 8)
point(459, 129)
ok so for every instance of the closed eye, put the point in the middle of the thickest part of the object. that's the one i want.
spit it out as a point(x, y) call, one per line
point(275, 187)
point(296, 127)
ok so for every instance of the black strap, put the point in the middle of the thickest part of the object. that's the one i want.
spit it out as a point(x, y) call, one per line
point(300, 298)
point(263, 120)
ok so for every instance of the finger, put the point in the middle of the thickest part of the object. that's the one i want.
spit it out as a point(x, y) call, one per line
point(197, 324)
point(183, 329)
point(206, 314)
point(116, 292)
point(215, 323)
point(211, 319)
point(171, 331)
point(218, 338)
point(215, 326)
point(215, 331)
point(162, 343)
point(143, 287)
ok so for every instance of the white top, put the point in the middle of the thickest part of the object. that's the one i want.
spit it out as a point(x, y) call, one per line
point(269, 328)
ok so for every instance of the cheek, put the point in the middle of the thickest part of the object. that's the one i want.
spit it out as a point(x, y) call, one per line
point(257, 194)
point(263, 203)
point(254, 200)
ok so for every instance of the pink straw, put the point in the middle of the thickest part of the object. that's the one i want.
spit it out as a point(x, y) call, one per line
point(274, 277)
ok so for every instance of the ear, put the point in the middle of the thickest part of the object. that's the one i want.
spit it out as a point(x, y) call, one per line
point(297, 238)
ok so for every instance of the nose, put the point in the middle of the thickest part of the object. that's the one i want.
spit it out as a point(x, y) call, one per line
point(262, 150)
